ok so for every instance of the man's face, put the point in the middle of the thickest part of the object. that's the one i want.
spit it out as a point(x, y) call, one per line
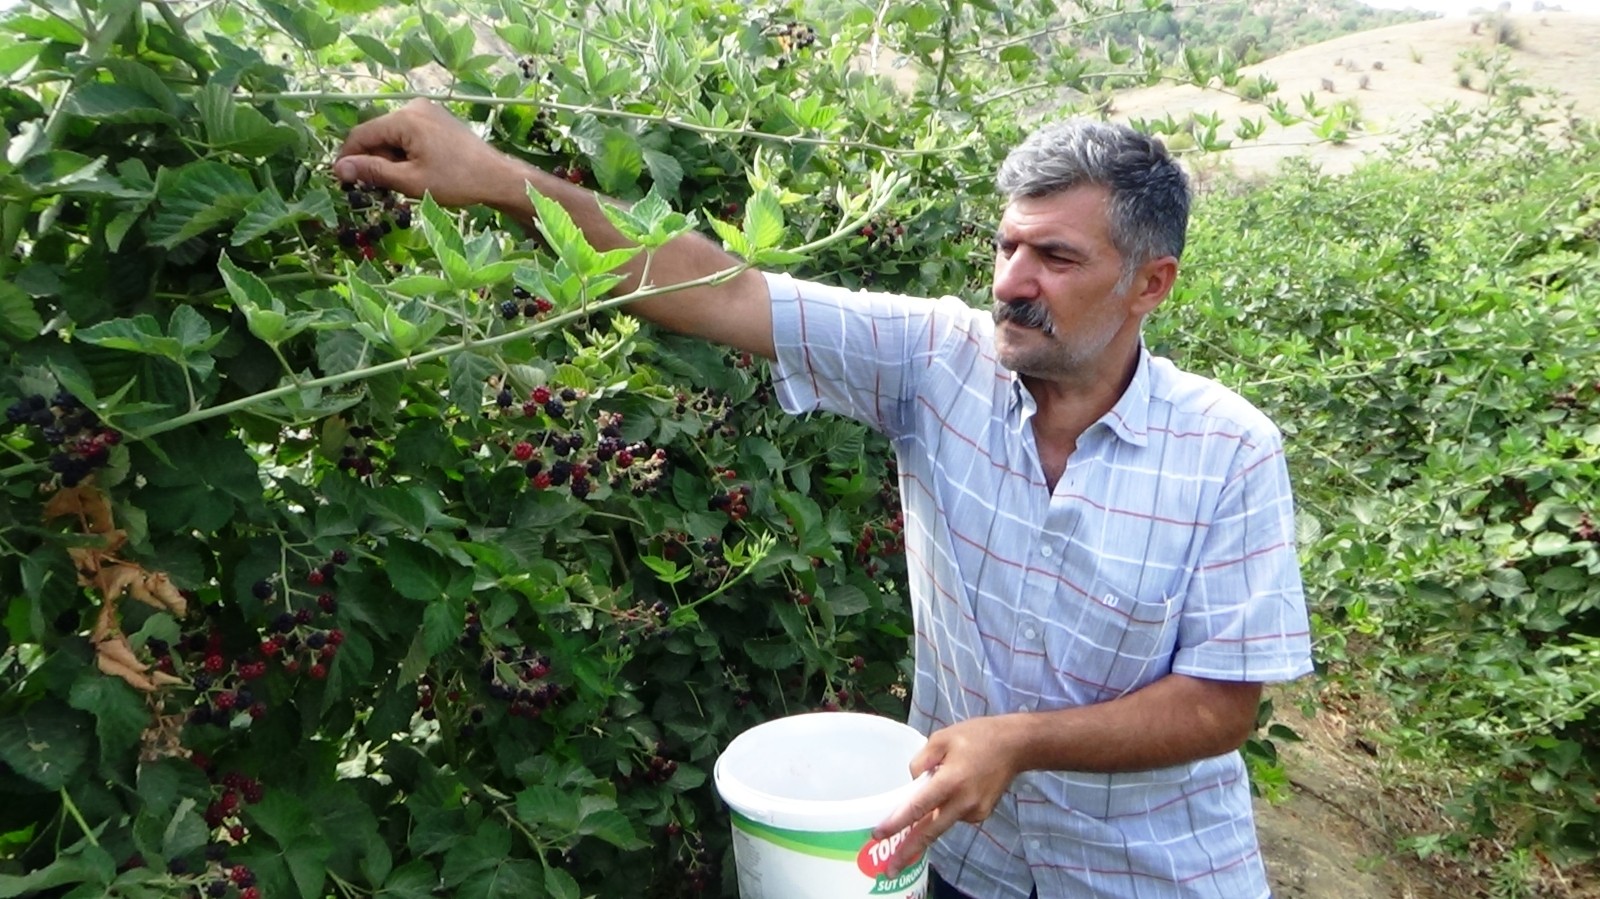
point(1058, 314)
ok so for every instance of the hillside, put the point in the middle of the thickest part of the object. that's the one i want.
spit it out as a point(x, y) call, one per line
point(1407, 69)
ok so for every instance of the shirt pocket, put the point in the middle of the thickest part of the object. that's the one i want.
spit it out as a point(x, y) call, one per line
point(1115, 643)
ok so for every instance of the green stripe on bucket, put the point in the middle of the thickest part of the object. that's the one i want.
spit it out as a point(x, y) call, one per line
point(838, 845)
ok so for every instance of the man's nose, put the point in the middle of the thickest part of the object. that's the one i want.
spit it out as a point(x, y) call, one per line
point(1016, 277)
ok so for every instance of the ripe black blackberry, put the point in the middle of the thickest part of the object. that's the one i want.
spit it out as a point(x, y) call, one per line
point(509, 310)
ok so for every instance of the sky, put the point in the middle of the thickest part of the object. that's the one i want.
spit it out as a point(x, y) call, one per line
point(1464, 7)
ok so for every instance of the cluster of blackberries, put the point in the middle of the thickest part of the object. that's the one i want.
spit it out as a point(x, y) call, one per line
point(574, 174)
point(516, 675)
point(80, 444)
point(882, 233)
point(629, 462)
point(222, 685)
point(357, 458)
point(885, 540)
point(373, 212)
point(734, 503)
point(716, 407)
point(525, 304)
point(646, 619)
point(792, 37)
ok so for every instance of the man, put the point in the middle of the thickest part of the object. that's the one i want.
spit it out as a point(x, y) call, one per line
point(1100, 546)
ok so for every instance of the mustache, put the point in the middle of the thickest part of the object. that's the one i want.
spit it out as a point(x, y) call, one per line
point(1024, 314)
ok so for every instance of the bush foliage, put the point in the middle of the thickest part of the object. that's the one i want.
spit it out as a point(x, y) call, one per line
point(363, 547)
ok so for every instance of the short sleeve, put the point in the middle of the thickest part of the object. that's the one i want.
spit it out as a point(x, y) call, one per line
point(1245, 611)
point(856, 353)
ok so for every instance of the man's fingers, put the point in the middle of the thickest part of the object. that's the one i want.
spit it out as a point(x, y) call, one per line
point(919, 806)
point(917, 841)
point(374, 170)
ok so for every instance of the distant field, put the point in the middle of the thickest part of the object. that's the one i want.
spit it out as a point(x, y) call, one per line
point(1409, 69)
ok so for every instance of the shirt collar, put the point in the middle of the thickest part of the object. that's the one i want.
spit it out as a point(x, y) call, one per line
point(1129, 419)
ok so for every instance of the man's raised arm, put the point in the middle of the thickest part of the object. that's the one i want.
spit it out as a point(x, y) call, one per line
point(422, 148)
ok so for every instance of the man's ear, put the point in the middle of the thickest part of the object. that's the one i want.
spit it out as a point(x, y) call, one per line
point(1151, 284)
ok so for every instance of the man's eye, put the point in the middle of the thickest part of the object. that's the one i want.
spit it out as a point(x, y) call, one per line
point(1005, 247)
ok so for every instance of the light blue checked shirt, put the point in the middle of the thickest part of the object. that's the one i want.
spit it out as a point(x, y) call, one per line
point(1166, 546)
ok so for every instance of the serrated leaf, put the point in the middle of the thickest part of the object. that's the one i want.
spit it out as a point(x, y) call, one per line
point(469, 372)
point(268, 213)
point(847, 599)
point(307, 25)
point(548, 809)
point(63, 870)
point(763, 220)
point(341, 351)
point(514, 879)
point(419, 285)
point(415, 880)
point(46, 744)
point(119, 711)
point(238, 128)
point(416, 571)
point(19, 319)
point(613, 827)
point(617, 161)
point(666, 172)
point(560, 885)
point(441, 231)
point(140, 334)
point(118, 104)
point(376, 50)
point(489, 845)
point(195, 199)
point(732, 238)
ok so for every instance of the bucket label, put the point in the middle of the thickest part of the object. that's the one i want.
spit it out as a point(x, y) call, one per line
point(869, 856)
point(873, 860)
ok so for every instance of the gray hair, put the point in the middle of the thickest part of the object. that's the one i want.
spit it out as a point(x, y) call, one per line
point(1149, 191)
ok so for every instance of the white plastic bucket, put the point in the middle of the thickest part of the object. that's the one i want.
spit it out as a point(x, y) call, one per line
point(804, 793)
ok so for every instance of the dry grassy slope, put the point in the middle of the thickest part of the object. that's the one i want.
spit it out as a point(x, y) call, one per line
point(1558, 50)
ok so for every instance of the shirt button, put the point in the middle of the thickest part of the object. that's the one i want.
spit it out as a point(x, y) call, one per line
point(1046, 552)
point(1034, 843)
point(1030, 633)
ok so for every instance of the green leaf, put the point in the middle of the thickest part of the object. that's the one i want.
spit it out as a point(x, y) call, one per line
point(451, 47)
point(847, 599)
point(140, 334)
point(441, 231)
point(19, 319)
point(513, 879)
point(197, 198)
point(376, 50)
point(561, 885)
point(186, 832)
point(488, 847)
point(613, 827)
point(47, 744)
point(550, 810)
point(119, 710)
point(617, 161)
point(773, 653)
point(732, 238)
point(416, 571)
point(415, 880)
point(63, 870)
point(117, 104)
point(442, 624)
point(307, 25)
point(763, 220)
point(268, 213)
point(237, 128)
point(665, 171)
point(469, 372)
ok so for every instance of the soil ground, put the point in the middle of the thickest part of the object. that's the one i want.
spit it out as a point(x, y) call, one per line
point(1338, 834)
